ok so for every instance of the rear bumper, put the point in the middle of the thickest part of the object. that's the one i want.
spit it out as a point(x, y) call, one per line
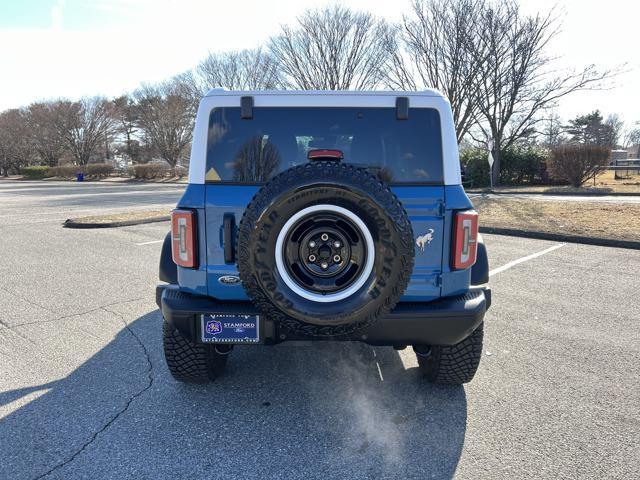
point(446, 321)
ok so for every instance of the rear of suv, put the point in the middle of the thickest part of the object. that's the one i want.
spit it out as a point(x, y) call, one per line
point(324, 216)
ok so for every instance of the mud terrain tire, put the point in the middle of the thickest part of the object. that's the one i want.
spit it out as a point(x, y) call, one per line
point(455, 364)
point(190, 362)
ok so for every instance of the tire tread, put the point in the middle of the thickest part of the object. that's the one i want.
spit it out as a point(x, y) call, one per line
point(455, 364)
point(190, 362)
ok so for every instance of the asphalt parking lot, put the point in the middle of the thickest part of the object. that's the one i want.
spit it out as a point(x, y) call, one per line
point(84, 391)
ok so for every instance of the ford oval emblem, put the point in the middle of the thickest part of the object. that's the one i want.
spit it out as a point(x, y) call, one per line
point(229, 280)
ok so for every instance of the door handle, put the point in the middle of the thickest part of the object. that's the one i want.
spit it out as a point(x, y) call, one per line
point(228, 237)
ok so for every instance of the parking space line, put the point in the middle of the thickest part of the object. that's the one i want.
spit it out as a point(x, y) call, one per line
point(149, 243)
point(524, 259)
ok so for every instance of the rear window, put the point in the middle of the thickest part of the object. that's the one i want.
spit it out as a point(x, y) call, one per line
point(277, 138)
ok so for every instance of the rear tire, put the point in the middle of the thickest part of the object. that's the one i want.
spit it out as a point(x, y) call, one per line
point(191, 362)
point(452, 365)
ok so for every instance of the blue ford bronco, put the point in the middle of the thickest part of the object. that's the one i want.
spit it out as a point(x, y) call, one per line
point(324, 216)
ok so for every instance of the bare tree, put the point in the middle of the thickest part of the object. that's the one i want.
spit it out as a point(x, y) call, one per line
point(438, 46)
point(15, 148)
point(238, 70)
point(84, 126)
point(552, 131)
point(333, 48)
point(518, 79)
point(631, 136)
point(616, 129)
point(256, 161)
point(165, 116)
point(43, 134)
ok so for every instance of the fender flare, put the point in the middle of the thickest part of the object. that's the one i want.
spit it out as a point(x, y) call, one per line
point(480, 269)
point(168, 271)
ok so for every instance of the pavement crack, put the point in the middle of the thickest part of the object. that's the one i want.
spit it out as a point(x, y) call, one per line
point(26, 300)
point(114, 418)
point(71, 315)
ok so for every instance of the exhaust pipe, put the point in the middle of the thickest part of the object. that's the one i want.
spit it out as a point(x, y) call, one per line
point(223, 349)
point(422, 350)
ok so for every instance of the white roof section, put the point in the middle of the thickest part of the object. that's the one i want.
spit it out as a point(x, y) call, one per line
point(324, 98)
point(429, 92)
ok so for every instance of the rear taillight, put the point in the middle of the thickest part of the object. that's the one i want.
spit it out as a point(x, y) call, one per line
point(465, 239)
point(183, 238)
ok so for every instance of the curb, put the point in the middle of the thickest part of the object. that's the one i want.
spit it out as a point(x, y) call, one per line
point(601, 242)
point(71, 223)
point(560, 194)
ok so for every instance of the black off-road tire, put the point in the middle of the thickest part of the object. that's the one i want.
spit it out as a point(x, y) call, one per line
point(190, 362)
point(341, 185)
point(455, 364)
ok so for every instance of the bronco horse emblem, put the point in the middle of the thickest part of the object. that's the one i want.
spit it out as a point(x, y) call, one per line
point(425, 239)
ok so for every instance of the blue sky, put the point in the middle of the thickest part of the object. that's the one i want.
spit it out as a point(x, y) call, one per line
point(72, 48)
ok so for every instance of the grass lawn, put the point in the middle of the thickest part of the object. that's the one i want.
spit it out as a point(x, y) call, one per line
point(591, 219)
point(605, 183)
point(123, 217)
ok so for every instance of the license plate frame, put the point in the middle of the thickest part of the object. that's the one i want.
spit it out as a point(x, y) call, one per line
point(230, 328)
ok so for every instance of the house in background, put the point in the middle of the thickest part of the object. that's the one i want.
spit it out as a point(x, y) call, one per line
point(617, 155)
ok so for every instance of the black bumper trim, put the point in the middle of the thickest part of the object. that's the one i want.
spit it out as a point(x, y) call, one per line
point(445, 321)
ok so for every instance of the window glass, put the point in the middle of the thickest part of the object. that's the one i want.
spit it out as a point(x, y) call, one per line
point(277, 138)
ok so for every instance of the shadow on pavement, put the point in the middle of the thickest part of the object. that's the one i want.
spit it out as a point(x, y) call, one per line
point(318, 410)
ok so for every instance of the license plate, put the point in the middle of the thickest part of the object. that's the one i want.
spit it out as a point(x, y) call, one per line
point(230, 328)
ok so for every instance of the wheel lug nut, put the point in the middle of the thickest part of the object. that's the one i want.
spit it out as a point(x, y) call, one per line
point(336, 258)
point(324, 237)
point(312, 258)
point(337, 244)
point(324, 265)
point(312, 244)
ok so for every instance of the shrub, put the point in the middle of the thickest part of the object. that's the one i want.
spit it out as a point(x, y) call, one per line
point(148, 171)
point(65, 171)
point(577, 163)
point(180, 171)
point(475, 167)
point(35, 172)
point(521, 165)
point(98, 170)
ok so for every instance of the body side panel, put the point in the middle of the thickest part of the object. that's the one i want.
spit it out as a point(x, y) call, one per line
point(458, 281)
point(189, 279)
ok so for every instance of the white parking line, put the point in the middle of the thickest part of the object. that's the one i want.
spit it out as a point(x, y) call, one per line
point(149, 243)
point(524, 259)
point(380, 371)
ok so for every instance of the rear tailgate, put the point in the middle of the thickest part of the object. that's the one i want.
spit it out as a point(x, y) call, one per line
point(221, 200)
point(424, 205)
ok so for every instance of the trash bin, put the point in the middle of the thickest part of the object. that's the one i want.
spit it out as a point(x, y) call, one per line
point(80, 177)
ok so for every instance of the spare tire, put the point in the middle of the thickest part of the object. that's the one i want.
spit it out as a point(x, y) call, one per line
point(325, 249)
